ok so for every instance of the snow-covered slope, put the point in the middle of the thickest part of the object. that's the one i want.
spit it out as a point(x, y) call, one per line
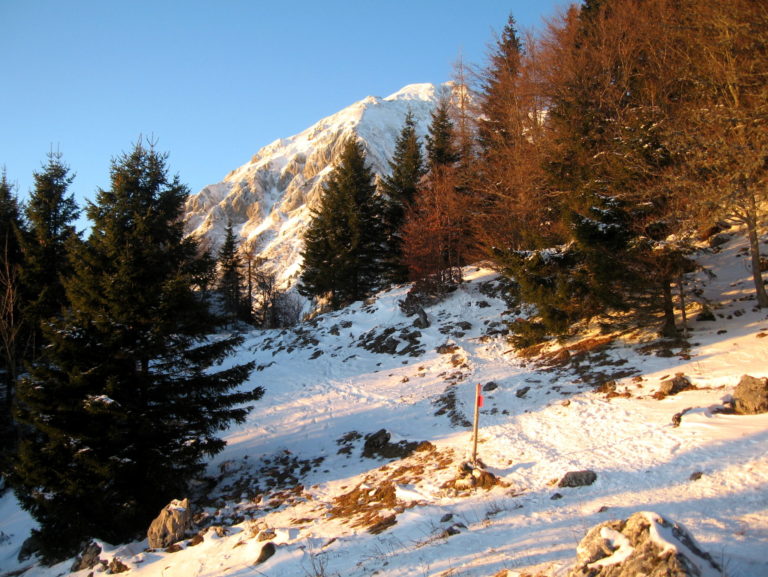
point(294, 473)
point(269, 199)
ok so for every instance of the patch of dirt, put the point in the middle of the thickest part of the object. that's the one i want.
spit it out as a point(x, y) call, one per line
point(373, 503)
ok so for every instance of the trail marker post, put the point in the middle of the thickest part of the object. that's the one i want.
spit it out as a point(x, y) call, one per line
point(478, 404)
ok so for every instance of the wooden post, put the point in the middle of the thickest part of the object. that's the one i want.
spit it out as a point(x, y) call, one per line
point(478, 404)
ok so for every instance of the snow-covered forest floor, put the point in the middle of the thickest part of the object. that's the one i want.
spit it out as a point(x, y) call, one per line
point(294, 473)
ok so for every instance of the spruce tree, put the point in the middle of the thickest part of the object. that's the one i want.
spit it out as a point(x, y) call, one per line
point(230, 277)
point(401, 187)
point(344, 243)
point(441, 150)
point(124, 405)
point(501, 123)
point(50, 213)
point(12, 327)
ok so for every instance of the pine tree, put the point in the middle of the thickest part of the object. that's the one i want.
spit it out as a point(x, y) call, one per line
point(50, 214)
point(230, 277)
point(123, 406)
point(344, 243)
point(401, 187)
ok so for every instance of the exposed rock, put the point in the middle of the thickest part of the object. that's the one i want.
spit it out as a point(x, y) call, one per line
point(267, 550)
point(751, 396)
point(521, 392)
point(490, 386)
point(171, 525)
point(472, 477)
point(675, 385)
point(422, 321)
point(578, 478)
point(645, 544)
point(89, 557)
point(117, 566)
point(706, 315)
point(446, 349)
point(377, 445)
point(29, 547)
point(719, 240)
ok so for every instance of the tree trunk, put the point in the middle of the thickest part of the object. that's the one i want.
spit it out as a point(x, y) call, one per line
point(668, 329)
point(754, 251)
point(681, 286)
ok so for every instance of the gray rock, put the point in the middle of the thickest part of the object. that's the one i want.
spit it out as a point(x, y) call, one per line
point(719, 240)
point(30, 546)
point(267, 550)
point(751, 396)
point(578, 479)
point(171, 525)
point(89, 557)
point(645, 544)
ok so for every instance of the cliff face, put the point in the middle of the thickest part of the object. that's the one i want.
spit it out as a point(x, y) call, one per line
point(269, 200)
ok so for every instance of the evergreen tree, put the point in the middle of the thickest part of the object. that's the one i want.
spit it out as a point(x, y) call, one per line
point(230, 277)
point(441, 150)
point(50, 214)
point(344, 243)
point(12, 329)
point(501, 120)
point(401, 187)
point(123, 406)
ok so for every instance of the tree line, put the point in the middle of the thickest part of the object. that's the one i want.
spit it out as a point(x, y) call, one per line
point(583, 162)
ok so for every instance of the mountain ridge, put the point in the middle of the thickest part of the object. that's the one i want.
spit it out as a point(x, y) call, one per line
point(269, 199)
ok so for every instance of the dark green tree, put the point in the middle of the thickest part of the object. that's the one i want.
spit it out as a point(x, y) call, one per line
point(50, 214)
point(441, 149)
point(344, 243)
point(12, 327)
point(231, 277)
point(123, 406)
point(401, 187)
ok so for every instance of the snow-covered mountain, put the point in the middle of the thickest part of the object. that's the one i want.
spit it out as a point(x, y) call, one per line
point(269, 199)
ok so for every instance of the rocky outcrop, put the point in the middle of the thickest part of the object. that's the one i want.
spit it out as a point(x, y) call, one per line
point(171, 525)
point(751, 396)
point(645, 544)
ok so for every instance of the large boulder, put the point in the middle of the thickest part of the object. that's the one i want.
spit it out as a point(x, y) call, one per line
point(171, 525)
point(751, 396)
point(645, 544)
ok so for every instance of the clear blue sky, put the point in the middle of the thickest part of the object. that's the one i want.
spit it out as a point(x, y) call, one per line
point(213, 81)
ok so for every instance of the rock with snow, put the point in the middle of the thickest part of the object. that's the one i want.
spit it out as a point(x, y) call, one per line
point(645, 544)
point(171, 525)
point(751, 396)
point(88, 558)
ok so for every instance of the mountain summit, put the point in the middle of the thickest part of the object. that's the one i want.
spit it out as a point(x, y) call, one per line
point(269, 199)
